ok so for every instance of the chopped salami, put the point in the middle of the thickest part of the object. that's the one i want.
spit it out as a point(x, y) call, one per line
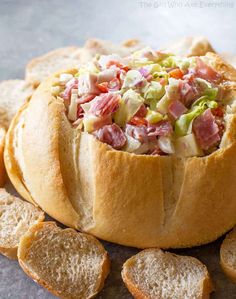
point(162, 128)
point(142, 112)
point(112, 135)
point(137, 132)
point(72, 84)
point(105, 104)
point(86, 98)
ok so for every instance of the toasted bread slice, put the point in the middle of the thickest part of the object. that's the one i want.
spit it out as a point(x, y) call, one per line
point(103, 47)
point(190, 46)
point(43, 66)
point(69, 264)
point(228, 255)
point(230, 58)
point(3, 175)
point(13, 94)
point(155, 274)
point(16, 216)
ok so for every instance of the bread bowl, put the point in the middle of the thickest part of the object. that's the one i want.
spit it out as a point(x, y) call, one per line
point(170, 200)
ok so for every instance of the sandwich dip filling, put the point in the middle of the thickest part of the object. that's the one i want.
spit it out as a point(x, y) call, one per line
point(151, 103)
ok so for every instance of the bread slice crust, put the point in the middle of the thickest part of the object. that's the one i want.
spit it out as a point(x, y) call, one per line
point(228, 255)
point(135, 274)
point(16, 217)
point(27, 254)
point(134, 200)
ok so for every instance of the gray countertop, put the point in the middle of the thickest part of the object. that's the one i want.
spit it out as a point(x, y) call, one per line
point(31, 27)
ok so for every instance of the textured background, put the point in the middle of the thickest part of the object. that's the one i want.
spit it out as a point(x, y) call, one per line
point(31, 27)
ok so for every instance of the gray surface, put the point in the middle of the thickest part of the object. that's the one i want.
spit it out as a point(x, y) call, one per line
point(29, 28)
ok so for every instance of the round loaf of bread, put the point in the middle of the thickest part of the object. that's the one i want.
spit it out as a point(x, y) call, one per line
point(135, 200)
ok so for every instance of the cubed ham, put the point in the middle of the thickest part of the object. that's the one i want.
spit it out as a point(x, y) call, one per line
point(112, 135)
point(206, 130)
point(188, 91)
point(176, 109)
point(206, 72)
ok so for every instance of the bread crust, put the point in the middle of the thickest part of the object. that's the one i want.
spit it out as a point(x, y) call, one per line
point(6, 249)
point(205, 290)
point(3, 175)
point(134, 200)
point(226, 250)
point(41, 67)
point(22, 252)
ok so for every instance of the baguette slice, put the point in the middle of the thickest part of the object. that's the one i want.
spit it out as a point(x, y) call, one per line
point(3, 175)
point(155, 274)
point(43, 66)
point(67, 263)
point(230, 58)
point(16, 216)
point(13, 94)
point(190, 46)
point(228, 255)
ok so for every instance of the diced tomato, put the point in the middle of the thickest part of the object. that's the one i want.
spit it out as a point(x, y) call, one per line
point(219, 111)
point(103, 87)
point(118, 64)
point(142, 112)
point(138, 121)
point(176, 73)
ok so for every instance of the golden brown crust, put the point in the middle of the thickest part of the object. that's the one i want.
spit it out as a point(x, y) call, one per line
point(13, 168)
point(11, 253)
point(190, 46)
point(43, 66)
point(3, 175)
point(147, 201)
point(205, 288)
point(228, 256)
point(26, 241)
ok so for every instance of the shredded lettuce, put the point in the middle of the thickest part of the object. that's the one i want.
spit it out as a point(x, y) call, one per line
point(183, 125)
point(153, 93)
point(208, 90)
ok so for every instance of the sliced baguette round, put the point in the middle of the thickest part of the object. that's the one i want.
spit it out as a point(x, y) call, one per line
point(228, 255)
point(189, 46)
point(230, 58)
point(155, 274)
point(16, 217)
point(43, 66)
point(13, 94)
point(69, 264)
point(3, 175)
